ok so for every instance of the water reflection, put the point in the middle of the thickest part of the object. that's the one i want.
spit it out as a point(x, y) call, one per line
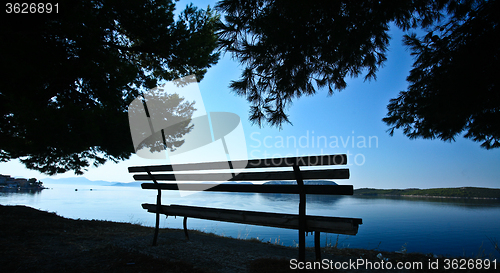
point(12, 192)
point(310, 199)
point(331, 200)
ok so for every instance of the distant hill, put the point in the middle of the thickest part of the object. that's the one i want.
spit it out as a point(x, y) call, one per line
point(463, 192)
point(85, 181)
point(129, 184)
point(75, 181)
point(307, 182)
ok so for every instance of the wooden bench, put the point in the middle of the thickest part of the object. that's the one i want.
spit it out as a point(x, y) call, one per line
point(255, 170)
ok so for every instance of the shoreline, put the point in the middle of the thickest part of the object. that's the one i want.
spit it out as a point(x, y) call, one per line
point(45, 242)
point(10, 189)
point(474, 193)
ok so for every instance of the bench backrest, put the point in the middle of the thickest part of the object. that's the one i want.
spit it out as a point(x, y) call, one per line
point(288, 168)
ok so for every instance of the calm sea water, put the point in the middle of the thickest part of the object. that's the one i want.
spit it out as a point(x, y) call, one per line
point(458, 227)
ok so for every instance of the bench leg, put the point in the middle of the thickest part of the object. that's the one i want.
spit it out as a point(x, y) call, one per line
point(302, 245)
point(157, 227)
point(317, 247)
point(184, 223)
point(302, 213)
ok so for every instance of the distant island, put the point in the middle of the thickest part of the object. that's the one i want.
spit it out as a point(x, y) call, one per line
point(10, 183)
point(462, 192)
point(307, 182)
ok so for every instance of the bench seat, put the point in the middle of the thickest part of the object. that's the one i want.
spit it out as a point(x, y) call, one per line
point(339, 225)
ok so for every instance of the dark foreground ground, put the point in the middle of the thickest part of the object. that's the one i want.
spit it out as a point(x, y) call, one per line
point(38, 241)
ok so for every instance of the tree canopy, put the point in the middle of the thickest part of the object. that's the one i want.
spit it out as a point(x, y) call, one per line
point(68, 78)
point(454, 83)
point(292, 48)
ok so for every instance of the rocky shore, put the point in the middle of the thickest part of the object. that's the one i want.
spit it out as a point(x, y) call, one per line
point(8, 183)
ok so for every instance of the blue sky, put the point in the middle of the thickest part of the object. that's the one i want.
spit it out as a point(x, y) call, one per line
point(354, 114)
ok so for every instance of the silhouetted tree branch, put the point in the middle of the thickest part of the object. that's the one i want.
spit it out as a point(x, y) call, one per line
point(68, 78)
point(293, 48)
point(454, 83)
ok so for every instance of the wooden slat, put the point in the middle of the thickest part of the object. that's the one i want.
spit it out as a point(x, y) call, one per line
point(257, 176)
point(321, 160)
point(338, 225)
point(288, 189)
